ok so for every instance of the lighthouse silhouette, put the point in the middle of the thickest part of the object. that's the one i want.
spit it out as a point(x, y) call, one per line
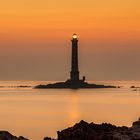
point(74, 74)
point(74, 82)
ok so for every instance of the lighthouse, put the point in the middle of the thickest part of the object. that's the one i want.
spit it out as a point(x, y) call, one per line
point(74, 74)
point(74, 82)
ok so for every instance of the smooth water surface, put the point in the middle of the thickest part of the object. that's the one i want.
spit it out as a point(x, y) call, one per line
point(37, 113)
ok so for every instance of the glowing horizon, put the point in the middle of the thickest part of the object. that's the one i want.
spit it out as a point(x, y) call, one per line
point(36, 31)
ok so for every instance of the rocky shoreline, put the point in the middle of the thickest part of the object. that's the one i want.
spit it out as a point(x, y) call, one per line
point(105, 131)
point(90, 131)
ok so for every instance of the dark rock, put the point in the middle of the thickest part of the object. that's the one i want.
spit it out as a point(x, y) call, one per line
point(48, 138)
point(5, 135)
point(134, 87)
point(136, 124)
point(22, 86)
point(22, 138)
point(105, 131)
point(72, 85)
point(135, 90)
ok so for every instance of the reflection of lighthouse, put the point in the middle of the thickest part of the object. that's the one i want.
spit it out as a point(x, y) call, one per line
point(74, 74)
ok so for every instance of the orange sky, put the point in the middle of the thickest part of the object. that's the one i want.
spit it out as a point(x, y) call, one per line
point(30, 19)
point(37, 31)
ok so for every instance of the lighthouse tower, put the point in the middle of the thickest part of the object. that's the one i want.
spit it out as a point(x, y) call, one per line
point(74, 74)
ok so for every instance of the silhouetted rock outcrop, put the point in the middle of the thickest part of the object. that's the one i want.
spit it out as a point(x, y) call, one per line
point(5, 135)
point(134, 87)
point(72, 85)
point(22, 86)
point(105, 131)
point(48, 138)
point(89, 131)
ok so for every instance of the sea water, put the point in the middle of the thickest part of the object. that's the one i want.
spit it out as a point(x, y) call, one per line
point(36, 113)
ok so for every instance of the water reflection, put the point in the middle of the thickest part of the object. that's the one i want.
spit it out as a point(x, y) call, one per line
point(39, 113)
point(74, 112)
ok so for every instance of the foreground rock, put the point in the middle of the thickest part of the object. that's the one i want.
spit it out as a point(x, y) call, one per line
point(5, 135)
point(91, 131)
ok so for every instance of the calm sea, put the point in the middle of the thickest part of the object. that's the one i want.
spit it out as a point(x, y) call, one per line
point(36, 113)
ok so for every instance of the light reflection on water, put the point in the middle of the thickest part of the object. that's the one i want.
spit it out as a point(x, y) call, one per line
point(37, 113)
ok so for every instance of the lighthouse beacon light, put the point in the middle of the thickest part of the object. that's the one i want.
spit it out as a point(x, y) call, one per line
point(74, 36)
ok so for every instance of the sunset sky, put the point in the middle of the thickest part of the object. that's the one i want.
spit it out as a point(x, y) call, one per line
point(35, 39)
